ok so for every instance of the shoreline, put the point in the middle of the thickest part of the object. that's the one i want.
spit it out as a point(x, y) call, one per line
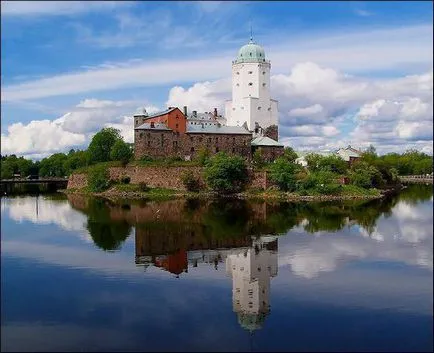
point(163, 195)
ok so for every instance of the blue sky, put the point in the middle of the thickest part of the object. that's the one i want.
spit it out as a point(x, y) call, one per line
point(343, 72)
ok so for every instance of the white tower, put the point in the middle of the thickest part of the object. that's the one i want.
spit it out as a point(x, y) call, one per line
point(251, 102)
point(251, 270)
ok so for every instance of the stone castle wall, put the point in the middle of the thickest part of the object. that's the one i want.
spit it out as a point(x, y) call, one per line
point(162, 177)
point(165, 143)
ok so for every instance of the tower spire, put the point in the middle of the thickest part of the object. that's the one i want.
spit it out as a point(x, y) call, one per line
point(251, 32)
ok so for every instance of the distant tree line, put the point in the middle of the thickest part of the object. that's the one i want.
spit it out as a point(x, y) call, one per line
point(106, 145)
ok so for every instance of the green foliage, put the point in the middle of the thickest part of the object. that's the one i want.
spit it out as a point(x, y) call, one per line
point(102, 143)
point(332, 163)
point(366, 176)
point(258, 159)
point(121, 151)
point(322, 182)
point(283, 173)
point(226, 174)
point(312, 160)
point(53, 166)
point(7, 170)
point(203, 156)
point(75, 160)
point(98, 179)
point(191, 183)
point(289, 154)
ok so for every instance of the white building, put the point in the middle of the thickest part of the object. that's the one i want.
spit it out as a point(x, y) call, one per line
point(251, 102)
point(251, 270)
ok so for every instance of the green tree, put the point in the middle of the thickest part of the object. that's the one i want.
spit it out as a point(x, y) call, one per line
point(312, 160)
point(99, 179)
point(53, 166)
point(75, 160)
point(321, 181)
point(283, 173)
point(102, 143)
point(289, 154)
point(191, 183)
point(332, 163)
point(121, 152)
point(7, 169)
point(226, 174)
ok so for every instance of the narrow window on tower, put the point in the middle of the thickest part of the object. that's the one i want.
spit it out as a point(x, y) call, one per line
point(250, 72)
point(259, 108)
point(264, 84)
point(263, 72)
point(250, 84)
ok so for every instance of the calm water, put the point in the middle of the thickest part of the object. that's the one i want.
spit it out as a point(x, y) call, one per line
point(82, 274)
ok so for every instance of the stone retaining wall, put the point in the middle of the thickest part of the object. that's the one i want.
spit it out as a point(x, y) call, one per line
point(163, 177)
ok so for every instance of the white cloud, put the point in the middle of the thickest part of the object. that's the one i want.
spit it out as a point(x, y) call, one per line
point(40, 138)
point(391, 48)
point(201, 96)
point(56, 8)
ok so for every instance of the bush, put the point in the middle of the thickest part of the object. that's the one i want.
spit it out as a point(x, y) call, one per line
point(190, 182)
point(125, 180)
point(226, 174)
point(121, 152)
point(143, 186)
point(99, 179)
point(366, 176)
point(323, 182)
point(282, 172)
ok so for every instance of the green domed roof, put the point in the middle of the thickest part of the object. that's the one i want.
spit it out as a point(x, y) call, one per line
point(251, 52)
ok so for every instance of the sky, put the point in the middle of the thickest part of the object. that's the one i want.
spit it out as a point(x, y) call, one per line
point(356, 73)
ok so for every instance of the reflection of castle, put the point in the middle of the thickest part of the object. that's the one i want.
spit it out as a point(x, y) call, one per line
point(250, 263)
point(251, 270)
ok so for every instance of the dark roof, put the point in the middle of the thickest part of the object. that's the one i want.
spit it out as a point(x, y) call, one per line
point(157, 126)
point(164, 112)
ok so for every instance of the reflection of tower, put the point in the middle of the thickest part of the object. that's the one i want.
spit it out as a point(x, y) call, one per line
point(251, 270)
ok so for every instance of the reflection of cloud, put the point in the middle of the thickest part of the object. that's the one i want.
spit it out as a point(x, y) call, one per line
point(46, 211)
point(406, 237)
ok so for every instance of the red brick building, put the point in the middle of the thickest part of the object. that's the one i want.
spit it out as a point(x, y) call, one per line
point(170, 134)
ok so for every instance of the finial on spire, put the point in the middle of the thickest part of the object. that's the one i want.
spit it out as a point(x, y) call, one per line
point(251, 32)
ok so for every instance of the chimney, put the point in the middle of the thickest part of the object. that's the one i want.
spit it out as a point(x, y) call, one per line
point(185, 110)
point(195, 113)
point(152, 125)
point(215, 112)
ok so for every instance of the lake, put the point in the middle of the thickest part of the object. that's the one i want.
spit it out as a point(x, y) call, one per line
point(86, 274)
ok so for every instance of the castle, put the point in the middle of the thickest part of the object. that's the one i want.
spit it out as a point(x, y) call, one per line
point(250, 122)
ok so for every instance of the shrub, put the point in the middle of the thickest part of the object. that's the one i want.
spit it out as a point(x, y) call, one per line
point(143, 186)
point(190, 182)
point(366, 176)
point(323, 182)
point(226, 174)
point(99, 179)
point(125, 180)
point(283, 173)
